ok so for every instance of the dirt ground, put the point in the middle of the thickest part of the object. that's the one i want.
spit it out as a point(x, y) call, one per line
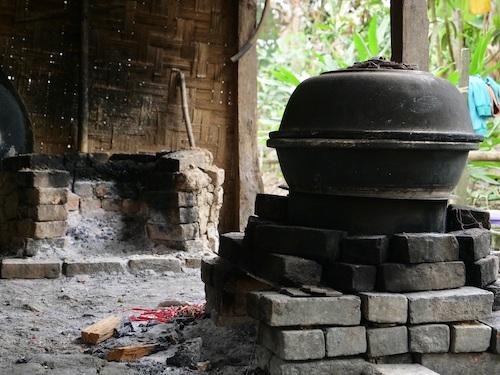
point(41, 322)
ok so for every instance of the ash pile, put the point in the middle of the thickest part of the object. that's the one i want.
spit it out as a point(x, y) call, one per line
point(174, 338)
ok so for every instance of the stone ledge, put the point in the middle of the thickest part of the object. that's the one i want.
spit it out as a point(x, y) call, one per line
point(73, 268)
point(155, 263)
point(30, 269)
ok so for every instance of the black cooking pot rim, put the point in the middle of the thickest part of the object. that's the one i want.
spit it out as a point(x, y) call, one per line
point(395, 135)
point(379, 70)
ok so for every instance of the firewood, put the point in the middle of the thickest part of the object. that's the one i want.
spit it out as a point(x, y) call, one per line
point(131, 353)
point(100, 331)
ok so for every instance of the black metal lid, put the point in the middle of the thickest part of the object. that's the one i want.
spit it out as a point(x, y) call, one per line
point(377, 104)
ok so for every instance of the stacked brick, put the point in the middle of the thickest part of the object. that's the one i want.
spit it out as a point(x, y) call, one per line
point(176, 196)
point(33, 211)
point(184, 197)
point(341, 303)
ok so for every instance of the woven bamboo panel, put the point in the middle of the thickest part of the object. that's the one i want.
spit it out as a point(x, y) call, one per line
point(39, 49)
point(134, 101)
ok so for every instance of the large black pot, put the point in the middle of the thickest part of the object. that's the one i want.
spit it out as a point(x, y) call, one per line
point(16, 135)
point(377, 135)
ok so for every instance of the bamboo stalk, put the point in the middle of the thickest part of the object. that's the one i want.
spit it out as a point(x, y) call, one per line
point(484, 155)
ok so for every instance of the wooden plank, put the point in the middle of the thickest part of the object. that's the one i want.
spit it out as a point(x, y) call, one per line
point(132, 352)
point(249, 181)
point(100, 331)
point(409, 32)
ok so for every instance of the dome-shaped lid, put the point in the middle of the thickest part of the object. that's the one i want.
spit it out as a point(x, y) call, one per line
point(377, 103)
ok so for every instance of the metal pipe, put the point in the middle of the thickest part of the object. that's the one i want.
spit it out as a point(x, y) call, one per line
point(83, 129)
point(250, 43)
point(181, 81)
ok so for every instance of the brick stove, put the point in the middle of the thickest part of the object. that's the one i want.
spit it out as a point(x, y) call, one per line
point(364, 268)
point(326, 302)
point(91, 212)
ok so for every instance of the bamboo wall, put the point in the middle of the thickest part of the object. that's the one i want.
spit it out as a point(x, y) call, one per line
point(134, 101)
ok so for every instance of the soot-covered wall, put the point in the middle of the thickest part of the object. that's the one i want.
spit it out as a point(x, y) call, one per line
point(134, 101)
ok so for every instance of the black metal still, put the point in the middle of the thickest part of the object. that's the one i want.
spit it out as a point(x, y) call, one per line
point(373, 151)
point(16, 135)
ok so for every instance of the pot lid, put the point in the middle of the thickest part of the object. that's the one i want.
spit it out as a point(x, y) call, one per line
point(364, 103)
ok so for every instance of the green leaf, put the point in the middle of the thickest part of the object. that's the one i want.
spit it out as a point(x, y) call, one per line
point(284, 75)
point(454, 77)
point(361, 47)
point(479, 53)
point(480, 174)
point(372, 36)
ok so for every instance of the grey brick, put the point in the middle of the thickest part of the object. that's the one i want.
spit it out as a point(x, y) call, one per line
point(280, 310)
point(395, 277)
point(469, 337)
point(43, 178)
point(493, 321)
point(91, 267)
point(172, 232)
point(384, 307)
point(462, 363)
point(155, 263)
point(294, 345)
point(44, 212)
point(342, 341)
point(39, 230)
point(423, 247)
point(353, 366)
point(495, 289)
point(451, 305)
point(429, 338)
point(30, 269)
point(387, 341)
point(399, 369)
point(36, 196)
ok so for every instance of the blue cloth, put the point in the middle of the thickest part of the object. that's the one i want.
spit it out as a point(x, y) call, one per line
point(480, 107)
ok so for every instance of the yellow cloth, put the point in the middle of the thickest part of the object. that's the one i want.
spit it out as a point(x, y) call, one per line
point(479, 7)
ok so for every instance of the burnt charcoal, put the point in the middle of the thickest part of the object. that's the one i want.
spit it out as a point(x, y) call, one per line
point(311, 243)
point(463, 217)
point(271, 207)
point(33, 161)
point(351, 277)
point(136, 158)
point(482, 272)
point(252, 224)
point(188, 354)
point(364, 249)
point(474, 244)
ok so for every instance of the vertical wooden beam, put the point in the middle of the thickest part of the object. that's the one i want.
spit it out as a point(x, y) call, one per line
point(410, 32)
point(83, 128)
point(249, 181)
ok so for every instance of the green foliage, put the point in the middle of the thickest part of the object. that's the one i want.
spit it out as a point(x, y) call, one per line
point(307, 37)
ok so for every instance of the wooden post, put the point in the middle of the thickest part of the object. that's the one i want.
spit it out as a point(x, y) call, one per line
point(83, 130)
point(249, 180)
point(410, 32)
point(463, 68)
